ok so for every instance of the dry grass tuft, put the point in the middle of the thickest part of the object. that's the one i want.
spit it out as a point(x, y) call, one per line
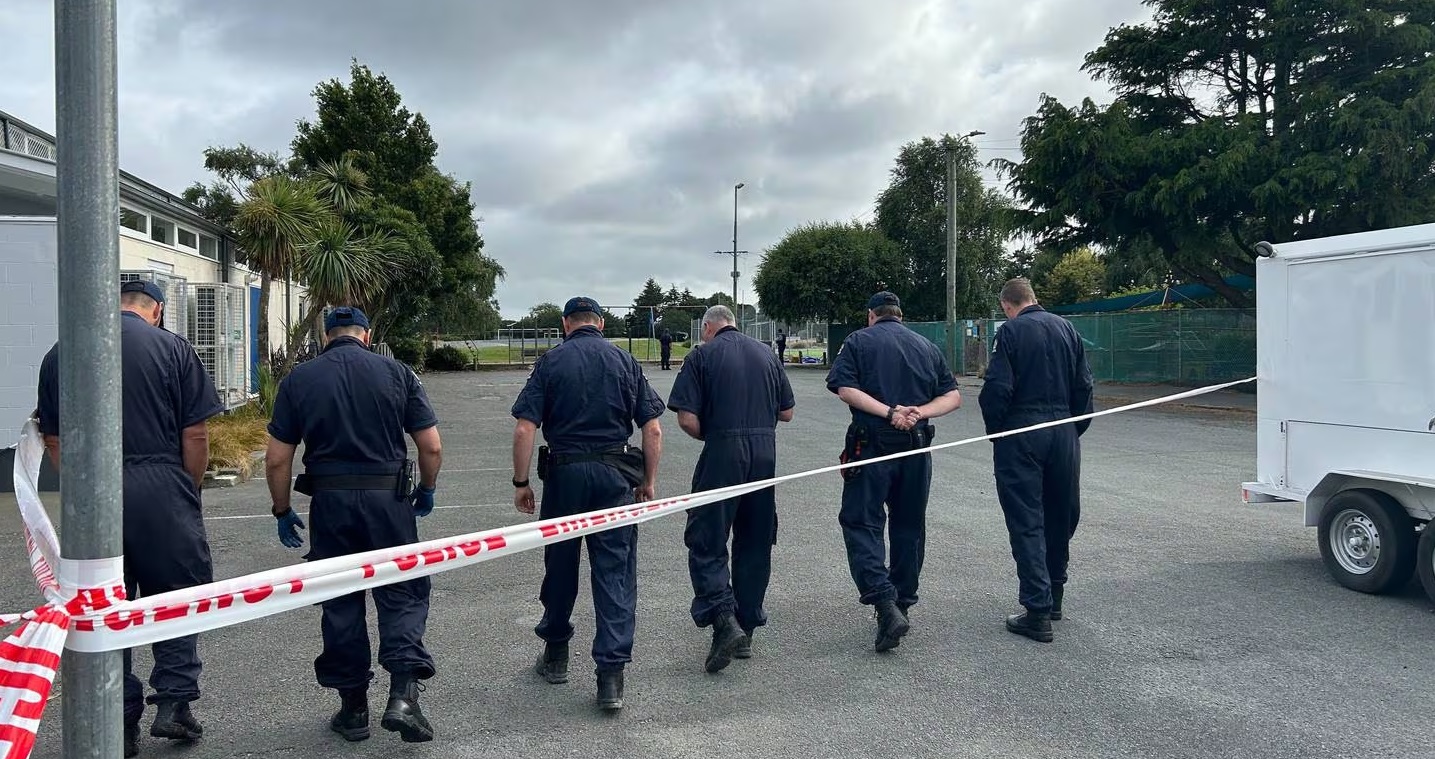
point(234, 438)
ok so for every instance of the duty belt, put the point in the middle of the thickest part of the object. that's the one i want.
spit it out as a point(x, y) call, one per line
point(309, 484)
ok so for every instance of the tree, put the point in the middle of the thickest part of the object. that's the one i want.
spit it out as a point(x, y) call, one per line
point(827, 270)
point(277, 217)
point(912, 213)
point(366, 122)
point(1237, 121)
point(1078, 276)
point(650, 297)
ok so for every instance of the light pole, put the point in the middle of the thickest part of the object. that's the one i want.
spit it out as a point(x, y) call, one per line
point(952, 253)
point(735, 304)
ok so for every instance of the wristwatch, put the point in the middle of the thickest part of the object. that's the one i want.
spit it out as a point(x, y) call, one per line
point(890, 411)
point(520, 483)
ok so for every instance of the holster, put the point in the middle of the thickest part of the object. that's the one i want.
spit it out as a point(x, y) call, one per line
point(543, 462)
point(404, 488)
point(856, 443)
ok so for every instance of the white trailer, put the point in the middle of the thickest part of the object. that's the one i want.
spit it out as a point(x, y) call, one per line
point(1345, 342)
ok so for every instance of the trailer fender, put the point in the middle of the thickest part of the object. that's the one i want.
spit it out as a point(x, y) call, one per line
point(1415, 494)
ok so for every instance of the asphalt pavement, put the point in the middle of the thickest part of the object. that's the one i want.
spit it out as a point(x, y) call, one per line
point(1195, 626)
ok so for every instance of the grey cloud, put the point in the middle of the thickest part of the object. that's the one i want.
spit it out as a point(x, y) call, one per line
point(602, 139)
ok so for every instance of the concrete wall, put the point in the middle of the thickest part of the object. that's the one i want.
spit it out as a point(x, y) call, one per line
point(29, 311)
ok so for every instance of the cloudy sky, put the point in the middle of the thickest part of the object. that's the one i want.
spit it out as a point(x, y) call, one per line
point(602, 137)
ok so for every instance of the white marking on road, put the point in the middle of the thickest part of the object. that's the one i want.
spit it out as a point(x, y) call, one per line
point(305, 513)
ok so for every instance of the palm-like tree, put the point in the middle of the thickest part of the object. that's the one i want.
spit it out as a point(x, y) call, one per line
point(277, 217)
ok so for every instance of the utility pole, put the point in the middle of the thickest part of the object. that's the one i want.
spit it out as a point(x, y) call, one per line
point(951, 204)
point(88, 268)
point(952, 261)
point(735, 302)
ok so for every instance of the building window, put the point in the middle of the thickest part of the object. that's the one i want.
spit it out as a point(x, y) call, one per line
point(131, 219)
point(160, 266)
point(161, 231)
point(209, 247)
point(188, 239)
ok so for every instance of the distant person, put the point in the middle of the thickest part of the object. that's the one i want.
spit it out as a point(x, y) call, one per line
point(665, 341)
point(894, 380)
point(782, 346)
point(351, 408)
point(167, 397)
point(587, 394)
point(731, 393)
point(1038, 373)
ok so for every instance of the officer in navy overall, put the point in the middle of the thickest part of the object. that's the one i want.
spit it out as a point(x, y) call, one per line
point(731, 393)
point(1037, 373)
point(166, 399)
point(351, 408)
point(895, 381)
point(587, 394)
point(665, 349)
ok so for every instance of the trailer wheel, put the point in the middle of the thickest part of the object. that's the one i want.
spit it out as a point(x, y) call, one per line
point(1368, 541)
point(1425, 560)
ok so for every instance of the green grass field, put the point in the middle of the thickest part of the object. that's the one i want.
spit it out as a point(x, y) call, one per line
point(644, 349)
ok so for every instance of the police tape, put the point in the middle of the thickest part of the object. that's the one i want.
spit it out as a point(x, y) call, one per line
point(87, 610)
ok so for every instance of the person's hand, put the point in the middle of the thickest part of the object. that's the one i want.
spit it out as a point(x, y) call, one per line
point(423, 500)
point(289, 524)
point(523, 500)
point(645, 493)
point(905, 417)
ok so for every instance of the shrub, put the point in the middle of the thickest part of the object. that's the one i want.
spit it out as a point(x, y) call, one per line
point(410, 350)
point(447, 358)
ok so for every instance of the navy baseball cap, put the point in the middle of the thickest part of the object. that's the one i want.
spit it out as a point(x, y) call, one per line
point(580, 303)
point(143, 286)
point(345, 316)
point(881, 299)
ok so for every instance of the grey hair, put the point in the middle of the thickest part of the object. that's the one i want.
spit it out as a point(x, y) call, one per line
point(719, 314)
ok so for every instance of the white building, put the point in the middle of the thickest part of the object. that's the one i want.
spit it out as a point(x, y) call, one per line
point(211, 300)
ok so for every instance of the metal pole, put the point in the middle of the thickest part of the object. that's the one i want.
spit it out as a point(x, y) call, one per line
point(951, 259)
point(87, 174)
point(736, 304)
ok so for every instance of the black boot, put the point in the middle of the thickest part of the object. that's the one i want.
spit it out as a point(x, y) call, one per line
point(352, 720)
point(553, 663)
point(132, 739)
point(403, 715)
point(1057, 591)
point(744, 647)
point(610, 690)
point(727, 636)
point(173, 721)
point(891, 625)
point(1034, 625)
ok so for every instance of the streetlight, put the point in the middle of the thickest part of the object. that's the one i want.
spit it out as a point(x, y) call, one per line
point(952, 252)
point(735, 304)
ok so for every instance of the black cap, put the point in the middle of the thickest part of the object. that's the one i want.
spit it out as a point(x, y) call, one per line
point(580, 303)
point(881, 299)
point(345, 316)
point(143, 286)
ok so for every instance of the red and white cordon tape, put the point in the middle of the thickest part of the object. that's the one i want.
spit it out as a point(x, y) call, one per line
point(86, 608)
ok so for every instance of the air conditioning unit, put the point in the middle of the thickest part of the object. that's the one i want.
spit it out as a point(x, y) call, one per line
point(176, 298)
point(217, 332)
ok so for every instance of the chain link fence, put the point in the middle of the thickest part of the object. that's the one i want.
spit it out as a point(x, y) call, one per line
point(1176, 346)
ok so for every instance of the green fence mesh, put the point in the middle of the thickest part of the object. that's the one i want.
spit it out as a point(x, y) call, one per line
point(1179, 346)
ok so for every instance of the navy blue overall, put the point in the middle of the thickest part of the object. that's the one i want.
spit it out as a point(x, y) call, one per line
point(736, 388)
point(586, 395)
point(351, 408)
point(165, 390)
point(898, 367)
point(1038, 373)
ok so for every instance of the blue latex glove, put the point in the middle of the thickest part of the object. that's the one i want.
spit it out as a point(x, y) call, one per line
point(423, 500)
point(287, 524)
